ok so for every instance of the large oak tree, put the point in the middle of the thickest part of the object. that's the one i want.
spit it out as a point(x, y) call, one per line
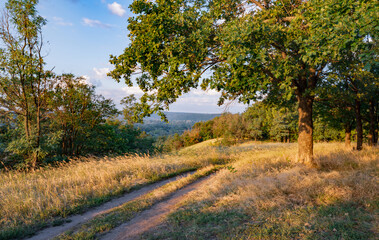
point(247, 48)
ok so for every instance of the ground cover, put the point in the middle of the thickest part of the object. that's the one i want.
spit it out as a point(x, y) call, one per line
point(35, 200)
point(264, 194)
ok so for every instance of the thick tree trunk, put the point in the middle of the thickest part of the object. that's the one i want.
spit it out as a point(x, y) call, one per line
point(372, 138)
point(359, 124)
point(347, 135)
point(305, 140)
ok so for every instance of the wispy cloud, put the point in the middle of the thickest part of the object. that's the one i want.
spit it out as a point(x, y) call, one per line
point(95, 23)
point(116, 9)
point(61, 21)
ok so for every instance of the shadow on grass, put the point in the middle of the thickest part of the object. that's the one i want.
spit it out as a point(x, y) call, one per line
point(345, 220)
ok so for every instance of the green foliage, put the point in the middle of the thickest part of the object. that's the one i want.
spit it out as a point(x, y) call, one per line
point(261, 121)
point(250, 51)
point(24, 84)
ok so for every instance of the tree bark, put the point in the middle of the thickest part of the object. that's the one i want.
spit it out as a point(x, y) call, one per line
point(372, 138)
point(347, 135)
point(359, 124)
point(305, 141)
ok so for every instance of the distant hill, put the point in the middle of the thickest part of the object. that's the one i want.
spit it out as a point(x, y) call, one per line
point(178, 123)
point(184, 116)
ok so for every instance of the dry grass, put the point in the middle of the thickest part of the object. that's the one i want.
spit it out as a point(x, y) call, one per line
point(106, 222)
point(29, 201)
point(266, 195)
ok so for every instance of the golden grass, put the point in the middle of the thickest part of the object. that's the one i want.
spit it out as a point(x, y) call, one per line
point(39, 196)
point(266, 178)
point(106, 222)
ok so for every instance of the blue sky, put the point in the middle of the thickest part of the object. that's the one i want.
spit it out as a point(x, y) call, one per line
point(82, 34)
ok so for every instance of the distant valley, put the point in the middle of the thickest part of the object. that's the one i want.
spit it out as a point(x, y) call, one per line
point(178, 122)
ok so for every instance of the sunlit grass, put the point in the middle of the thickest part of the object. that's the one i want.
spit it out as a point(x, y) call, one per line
point(266, 195)
point(117, 216)
point(30, 201)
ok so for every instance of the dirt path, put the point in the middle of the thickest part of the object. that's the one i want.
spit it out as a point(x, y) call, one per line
point(79, 219)
point(153, 217)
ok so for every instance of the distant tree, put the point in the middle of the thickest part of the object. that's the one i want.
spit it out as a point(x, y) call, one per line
point(128, 104)
point(78, 113)
point(257, 124)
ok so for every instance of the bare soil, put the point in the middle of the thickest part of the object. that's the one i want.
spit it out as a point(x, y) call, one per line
point(152, 218)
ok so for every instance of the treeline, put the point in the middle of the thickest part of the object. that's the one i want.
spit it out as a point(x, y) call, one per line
point(268, 122)
point(46, 117)
point(74, 121)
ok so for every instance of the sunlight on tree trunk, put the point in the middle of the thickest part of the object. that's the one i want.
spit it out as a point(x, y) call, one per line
point(305, 141)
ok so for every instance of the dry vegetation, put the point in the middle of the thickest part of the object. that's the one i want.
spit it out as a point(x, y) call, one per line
point(30, 201)
point(265, 195)
point(262, 194)
point(106, 222)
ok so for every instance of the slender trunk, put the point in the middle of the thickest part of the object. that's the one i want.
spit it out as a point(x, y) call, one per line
point(305, 140)
point(38, 133)
point(359, 124)
point(372, 135)
point(347, 135)
point(26, 125)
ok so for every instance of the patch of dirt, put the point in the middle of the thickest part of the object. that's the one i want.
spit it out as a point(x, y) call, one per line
point(77, 220)
point(153, 217)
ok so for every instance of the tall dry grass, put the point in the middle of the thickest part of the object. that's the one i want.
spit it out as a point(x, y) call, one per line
point(270, 177)
point(32, 198)
point(267, 185)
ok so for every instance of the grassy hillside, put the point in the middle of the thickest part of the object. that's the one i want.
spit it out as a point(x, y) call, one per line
point(261, 194)
point(31, 201)
point(266, 195)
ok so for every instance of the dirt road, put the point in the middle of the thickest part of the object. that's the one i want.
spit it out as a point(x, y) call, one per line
point(76, 220)
point(153, 217)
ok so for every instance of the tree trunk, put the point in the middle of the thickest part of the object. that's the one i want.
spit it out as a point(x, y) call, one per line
point(359, 124)
point(372, 135)
point(347, 135)
point(26, 126)
point(38, 133)
point(305, 141)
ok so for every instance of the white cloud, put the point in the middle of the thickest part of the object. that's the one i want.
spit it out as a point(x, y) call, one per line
point(116, 9)
point(132, 90)
point(60, 21)
point(200, 92)
point(101, 73)
point(92, 82)
point(95, 23)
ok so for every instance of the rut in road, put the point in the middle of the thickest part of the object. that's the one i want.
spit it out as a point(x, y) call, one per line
point(77, 220)
point(153, 217)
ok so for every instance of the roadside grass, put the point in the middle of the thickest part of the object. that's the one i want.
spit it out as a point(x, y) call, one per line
point(35, 200)
point(265, 195)
point(117, 216)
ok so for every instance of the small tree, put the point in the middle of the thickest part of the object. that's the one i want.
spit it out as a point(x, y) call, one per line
point(24, 84)
point(77, 113)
